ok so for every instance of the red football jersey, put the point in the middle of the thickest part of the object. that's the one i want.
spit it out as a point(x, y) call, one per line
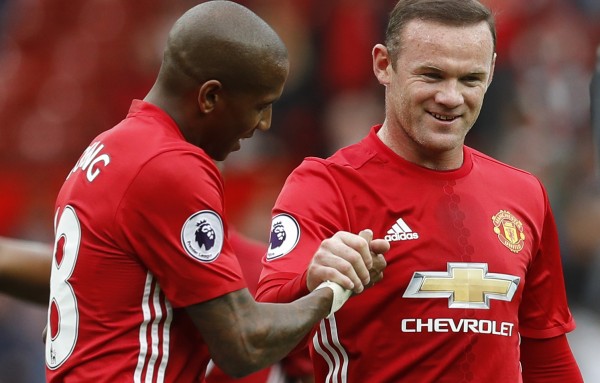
point(249, 253)
point(474, 263)
point(139, 236)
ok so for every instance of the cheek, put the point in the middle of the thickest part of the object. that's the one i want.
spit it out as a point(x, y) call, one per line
point(474, 96)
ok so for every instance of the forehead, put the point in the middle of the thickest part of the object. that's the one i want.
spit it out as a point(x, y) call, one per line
point(266, 79)
point(430, 39)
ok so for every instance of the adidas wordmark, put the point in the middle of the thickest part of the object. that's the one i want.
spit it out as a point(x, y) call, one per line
point(400, 231)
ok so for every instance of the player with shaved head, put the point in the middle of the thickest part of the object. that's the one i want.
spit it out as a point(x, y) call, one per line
point(145, 286)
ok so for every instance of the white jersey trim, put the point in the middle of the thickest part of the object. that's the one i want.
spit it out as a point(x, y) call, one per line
point(330, 346)
point(147, 363)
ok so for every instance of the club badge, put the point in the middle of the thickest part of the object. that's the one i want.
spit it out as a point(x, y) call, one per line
point(509, 230)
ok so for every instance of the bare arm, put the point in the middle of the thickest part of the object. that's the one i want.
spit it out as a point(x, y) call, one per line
point(244, 336)
point(25, 269)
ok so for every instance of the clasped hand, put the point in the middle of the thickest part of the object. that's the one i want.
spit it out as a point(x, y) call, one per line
point(354, 261)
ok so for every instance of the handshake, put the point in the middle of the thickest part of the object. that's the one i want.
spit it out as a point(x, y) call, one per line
point(347, 263)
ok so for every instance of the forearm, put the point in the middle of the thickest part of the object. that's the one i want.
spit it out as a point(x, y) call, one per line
point(548, 361)
point(25, 269)
point(245, 336)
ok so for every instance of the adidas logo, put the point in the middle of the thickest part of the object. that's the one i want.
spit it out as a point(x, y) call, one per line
point(400, 232)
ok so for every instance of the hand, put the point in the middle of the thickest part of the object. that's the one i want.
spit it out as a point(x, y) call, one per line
point(347, 259)
point(377, 247)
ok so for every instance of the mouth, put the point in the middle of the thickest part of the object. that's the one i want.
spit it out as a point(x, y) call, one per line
point(443, 117)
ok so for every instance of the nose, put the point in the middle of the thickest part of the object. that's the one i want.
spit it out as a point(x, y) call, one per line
point(265, 122)
point(449, 94)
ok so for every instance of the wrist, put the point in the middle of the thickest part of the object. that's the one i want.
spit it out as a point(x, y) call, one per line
point(340, 295)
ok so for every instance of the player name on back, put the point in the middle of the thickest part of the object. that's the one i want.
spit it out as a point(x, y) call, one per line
point(91, 161)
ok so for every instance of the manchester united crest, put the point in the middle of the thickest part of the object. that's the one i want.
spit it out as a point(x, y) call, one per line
point(509, 230)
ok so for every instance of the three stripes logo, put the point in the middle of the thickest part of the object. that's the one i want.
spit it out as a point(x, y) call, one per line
point(400, 231)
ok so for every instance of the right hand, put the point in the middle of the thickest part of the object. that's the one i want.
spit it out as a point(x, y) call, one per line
point(377, 247)
point(352, 261)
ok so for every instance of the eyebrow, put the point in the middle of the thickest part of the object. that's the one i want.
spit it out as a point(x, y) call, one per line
point(429, 67)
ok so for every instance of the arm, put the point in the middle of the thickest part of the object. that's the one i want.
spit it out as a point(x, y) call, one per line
point(243, 335)
point(548, 361)
point(352, 274)
point(25, 269)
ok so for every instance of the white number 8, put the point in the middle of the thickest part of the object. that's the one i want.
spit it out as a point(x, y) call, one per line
point(63, 316)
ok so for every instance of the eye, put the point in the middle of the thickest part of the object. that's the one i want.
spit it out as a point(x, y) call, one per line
point(263, 107)
point(432, 75)
point(472, 80)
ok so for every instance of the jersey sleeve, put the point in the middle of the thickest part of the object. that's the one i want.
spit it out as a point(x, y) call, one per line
point(306, 212)
point(171, 219)
point(544, 312)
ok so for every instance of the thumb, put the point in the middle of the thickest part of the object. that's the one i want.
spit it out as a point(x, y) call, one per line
point(367, 234)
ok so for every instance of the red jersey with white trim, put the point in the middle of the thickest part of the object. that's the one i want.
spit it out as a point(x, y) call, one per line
point(249, 253)
point(474, 262)
point(139, 237)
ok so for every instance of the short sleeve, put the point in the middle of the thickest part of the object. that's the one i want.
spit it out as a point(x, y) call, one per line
point(544, 312)
point(171, 219)
point(306, 212)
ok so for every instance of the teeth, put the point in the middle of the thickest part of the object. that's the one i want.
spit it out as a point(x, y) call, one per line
point(443, 118)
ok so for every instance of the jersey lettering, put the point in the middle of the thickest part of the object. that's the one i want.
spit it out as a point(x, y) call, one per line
point(90, 161)
point(475, 326)
point(63, 316)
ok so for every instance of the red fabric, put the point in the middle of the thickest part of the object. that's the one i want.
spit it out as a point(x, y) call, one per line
point(249, 253)
point(136, 216)
point(548, 361)
point(483, 225)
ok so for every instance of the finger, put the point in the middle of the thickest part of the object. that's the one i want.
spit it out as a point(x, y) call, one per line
point(330, 271)
point(355, 250)
point(376, 273)
point(379, 246)
point(379, 264)
point(339, 265)
point(367, 235)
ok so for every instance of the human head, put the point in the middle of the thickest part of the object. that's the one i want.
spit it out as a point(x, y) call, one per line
point(449, 12)
point(222, 68)
point(435, 74)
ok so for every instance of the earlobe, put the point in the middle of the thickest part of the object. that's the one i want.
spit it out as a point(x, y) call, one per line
point(208, 95)
point(381, 63)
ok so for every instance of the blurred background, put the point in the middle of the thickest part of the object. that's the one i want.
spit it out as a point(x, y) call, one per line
point(69, 70)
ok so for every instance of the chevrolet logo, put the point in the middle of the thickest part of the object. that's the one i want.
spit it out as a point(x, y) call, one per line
point(466, 285)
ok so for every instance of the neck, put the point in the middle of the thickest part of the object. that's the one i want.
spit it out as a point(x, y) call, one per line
point(404, 146)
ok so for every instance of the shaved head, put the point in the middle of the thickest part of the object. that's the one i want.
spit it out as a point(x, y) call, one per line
point(220, 40)
point(222, 69)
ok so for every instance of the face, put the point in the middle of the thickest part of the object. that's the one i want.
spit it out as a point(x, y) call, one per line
point(435, 91)
point(238, 114)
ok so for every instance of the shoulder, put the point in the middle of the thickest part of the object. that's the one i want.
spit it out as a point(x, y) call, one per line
point(182, 168)
point(503, 172)
point(349, 158)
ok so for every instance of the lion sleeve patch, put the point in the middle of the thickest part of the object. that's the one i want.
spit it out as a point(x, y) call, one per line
point(202, 235)
point(285, 234)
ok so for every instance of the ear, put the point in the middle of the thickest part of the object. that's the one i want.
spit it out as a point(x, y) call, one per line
point(492, 70)
point(209, 95)
point(382, 63)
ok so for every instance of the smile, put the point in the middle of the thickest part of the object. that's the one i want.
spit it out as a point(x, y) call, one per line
point(442, 117)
